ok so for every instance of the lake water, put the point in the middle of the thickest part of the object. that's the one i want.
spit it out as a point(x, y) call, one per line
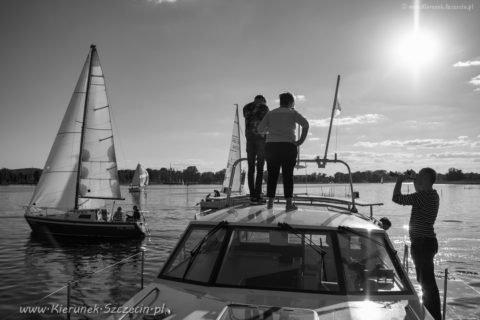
point(109, 273)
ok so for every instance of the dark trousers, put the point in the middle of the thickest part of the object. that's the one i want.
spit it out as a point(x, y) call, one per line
point(256, 159)
point(423, 252)
point(280, 155)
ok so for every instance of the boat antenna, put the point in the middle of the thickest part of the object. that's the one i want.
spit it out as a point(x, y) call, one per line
point(331, 117)
point(82, 135)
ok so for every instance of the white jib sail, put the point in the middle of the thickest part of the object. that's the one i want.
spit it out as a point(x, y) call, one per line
point(57, 185)
point(140, 177)
point(98, 174)
point(234, 155)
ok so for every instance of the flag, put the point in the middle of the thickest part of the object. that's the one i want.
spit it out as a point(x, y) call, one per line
point(338, 108)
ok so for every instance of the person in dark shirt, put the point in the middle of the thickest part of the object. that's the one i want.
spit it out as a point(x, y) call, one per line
point(425, 202)
point(254, 113)
point(136, 213)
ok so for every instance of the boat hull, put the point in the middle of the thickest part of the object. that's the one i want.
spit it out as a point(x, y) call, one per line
point(91, 229)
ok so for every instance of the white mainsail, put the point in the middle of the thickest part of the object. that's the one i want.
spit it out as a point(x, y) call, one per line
point(58, 186)
point(140, 177)
point(234, 155)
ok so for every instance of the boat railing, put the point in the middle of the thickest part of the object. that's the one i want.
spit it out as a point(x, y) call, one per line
point(321, 163)
point(69, 308)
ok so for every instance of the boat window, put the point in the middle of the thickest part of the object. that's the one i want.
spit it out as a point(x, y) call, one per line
point(196, 257)
point(368, 266)
point(278, 259)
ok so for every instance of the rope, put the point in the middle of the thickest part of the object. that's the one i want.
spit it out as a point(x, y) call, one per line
point(87, 276)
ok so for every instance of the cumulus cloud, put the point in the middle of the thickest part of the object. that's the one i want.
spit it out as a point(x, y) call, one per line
point(300, 98)
point(455, 155)
point(418, 143)
point(345, 121)
point(475, 81)
point(155, 2)
point(468, 63)
point(417, 123)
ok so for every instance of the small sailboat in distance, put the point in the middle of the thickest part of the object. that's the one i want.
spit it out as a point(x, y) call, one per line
point(80, 174)
point(234, 154)
point(139, 180)
point(232, 188)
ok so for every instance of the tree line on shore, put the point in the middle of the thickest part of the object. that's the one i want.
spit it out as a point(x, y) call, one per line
point(191, 175)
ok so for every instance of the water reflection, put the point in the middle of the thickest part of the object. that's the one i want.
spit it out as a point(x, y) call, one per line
point(100, 272)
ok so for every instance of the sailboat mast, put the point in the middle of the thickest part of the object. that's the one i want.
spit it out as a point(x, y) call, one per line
point(237, 119)
point(85, 108)
point(331, 118)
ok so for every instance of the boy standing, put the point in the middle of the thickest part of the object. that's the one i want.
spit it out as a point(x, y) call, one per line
point(425, 203)
point(254, 113)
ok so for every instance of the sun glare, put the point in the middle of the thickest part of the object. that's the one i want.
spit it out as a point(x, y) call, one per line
point(417, 49)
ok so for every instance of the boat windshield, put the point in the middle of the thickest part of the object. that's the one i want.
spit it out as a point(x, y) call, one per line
point(289, 259)
point(259, 258)
point(367, 264)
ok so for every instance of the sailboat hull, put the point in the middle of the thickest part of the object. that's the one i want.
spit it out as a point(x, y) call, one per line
point(92, 229)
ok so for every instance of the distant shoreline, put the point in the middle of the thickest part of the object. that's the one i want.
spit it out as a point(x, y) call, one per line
point(474, 182)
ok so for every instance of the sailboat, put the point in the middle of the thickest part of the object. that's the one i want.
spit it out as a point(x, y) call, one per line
point(139, 180)
point(234, 154)
point(232, 189)
point(80, 174)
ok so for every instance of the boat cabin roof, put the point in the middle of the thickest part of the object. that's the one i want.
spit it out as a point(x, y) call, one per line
point(306, 215)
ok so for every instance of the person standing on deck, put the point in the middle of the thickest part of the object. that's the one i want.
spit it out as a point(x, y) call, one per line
point(254, 113)
point(281, 147)
point(425, 202)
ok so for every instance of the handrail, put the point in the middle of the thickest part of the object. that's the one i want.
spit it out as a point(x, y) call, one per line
point(321, 163)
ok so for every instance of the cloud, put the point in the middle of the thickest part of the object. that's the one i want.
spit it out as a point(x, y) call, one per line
point(345, 121)
point(417, 124)
point(213, 134)
point(475, 81)
point(300, 98)
point(157, 2)
point(418, 143)
point(468, 63)
point(455, 155)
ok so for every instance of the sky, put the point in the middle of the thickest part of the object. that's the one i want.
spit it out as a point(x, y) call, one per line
point(409, 88)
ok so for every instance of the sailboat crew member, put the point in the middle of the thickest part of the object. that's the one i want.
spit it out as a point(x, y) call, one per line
point(281, 147)
point(254, 113)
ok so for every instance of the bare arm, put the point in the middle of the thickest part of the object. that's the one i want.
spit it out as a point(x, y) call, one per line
point(398, 186)
point(304, 124)
point(303, 136)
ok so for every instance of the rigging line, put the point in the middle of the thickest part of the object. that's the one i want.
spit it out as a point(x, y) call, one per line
point(336, 135)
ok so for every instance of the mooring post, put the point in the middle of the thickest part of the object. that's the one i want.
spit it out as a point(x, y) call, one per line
point(69, 285)
point(405, 258)
point(445, 294)
point(143, 264)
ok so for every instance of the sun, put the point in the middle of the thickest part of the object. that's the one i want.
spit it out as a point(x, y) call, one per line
point(417, 49)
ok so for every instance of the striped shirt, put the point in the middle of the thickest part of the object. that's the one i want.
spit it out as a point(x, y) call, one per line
point(424, 212)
